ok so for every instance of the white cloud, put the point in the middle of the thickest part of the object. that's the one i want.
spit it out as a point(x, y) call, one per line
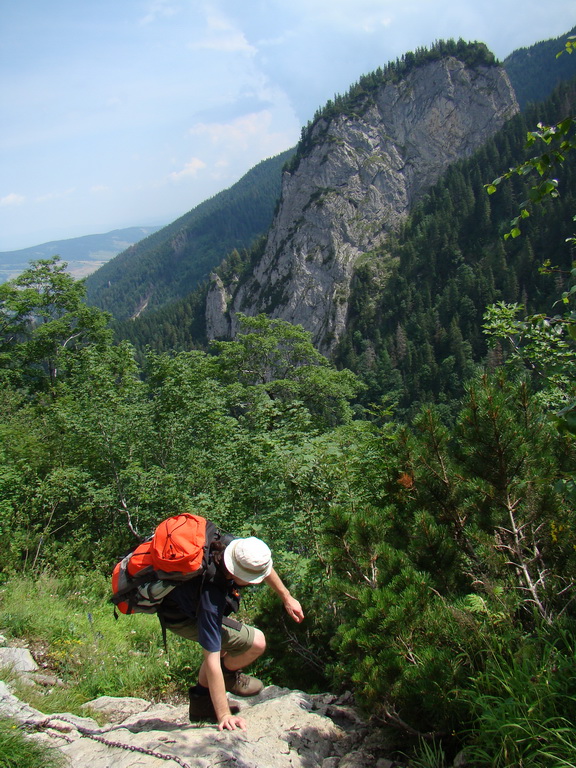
point(234, 42)
point(12, 199)
point(251, 137)
point(367, 16)
point(237, 133)
point(374, 23)
point(222, 35)
point(159, 9)
point(190, 169)
point(55, 195)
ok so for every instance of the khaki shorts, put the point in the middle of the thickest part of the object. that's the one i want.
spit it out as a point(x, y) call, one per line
point(236, 637)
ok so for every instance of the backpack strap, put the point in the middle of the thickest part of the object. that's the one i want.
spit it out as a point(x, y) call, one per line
point(162, 621)
point(132, 582)
point(213, 534)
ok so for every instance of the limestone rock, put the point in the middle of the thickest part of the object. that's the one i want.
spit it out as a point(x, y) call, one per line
point(10, 706)
point(217, 308)
point(284, 731)
point(358, 181)
point(156, 717)
point(358, 759)
point(18, 659)
point(47, 680)
point(117, 709)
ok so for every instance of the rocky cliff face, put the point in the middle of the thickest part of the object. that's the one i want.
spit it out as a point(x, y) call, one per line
point(355, 185)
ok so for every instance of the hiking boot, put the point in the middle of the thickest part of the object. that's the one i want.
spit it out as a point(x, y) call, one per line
point(240, 684)
point(201, 708)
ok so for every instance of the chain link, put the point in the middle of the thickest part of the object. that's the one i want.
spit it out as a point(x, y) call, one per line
point(102, 740)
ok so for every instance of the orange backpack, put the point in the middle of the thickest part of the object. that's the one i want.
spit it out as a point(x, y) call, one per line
point(178, 550)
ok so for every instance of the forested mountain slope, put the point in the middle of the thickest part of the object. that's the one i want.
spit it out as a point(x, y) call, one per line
point(535, 71)
point(416, 332)
point(414, 328)
point(169, 264)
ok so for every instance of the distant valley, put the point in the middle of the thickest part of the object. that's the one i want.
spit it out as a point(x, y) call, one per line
point(84, 255)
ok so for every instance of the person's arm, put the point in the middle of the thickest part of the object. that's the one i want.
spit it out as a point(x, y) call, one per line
point(292, 606)
point(213, 669)
point(209, 620)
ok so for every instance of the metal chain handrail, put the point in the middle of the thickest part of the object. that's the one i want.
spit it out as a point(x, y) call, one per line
point(103, 740)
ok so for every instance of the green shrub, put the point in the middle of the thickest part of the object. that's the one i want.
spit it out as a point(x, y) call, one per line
point(296, 655)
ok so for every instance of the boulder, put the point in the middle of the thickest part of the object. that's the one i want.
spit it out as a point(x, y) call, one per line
point(117, 709)
point(18, 659)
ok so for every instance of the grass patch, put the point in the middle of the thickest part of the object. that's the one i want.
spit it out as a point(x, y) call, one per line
point(20, 751)
point(71, 631)
point(525, 706)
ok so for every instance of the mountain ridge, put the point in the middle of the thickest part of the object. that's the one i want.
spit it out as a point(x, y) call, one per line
point(83, 254)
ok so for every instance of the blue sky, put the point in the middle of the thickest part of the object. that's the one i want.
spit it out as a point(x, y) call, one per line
point(121, 113)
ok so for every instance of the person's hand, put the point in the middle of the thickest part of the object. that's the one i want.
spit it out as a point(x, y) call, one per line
point(294, 609)
point(232, 723)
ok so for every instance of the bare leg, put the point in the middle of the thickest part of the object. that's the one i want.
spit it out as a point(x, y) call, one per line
point(239, 662)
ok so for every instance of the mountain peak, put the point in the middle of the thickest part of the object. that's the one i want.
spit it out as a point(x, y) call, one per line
point(357, 175)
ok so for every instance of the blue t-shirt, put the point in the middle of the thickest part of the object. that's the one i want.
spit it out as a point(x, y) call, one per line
point(206, 606)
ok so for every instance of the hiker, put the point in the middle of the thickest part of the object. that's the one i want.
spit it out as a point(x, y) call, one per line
point(197, 610)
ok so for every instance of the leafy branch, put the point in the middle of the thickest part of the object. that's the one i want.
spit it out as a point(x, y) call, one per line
point(569, 46)
point(558, 139)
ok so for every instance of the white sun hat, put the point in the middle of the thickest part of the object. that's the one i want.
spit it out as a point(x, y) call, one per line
point(248, 559)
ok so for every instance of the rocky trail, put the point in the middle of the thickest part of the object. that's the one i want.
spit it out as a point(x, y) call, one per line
point(286, 729)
